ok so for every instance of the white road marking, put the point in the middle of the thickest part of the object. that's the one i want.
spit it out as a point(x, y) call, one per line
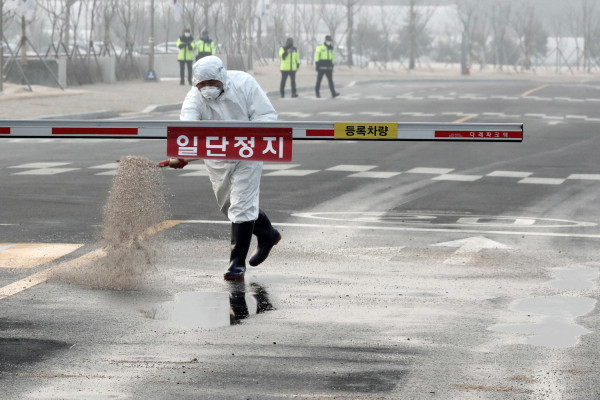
point(377, 114)
point(199, 169)
point(585, 177)
point(378, 98)
point(114, 165)
point(196, 173)
point(510, 174)
point(576, 117)
point(37, 165)
point(457, 177)
point(434, 171)
point(542, 181)
point(374, 174)
point(335, 113)
point(293, 172)
point(468, 247)
point(413, 229)
point(442, 97)
point(278, 166)
point(296, 114)
point(42, 168)
point(418, 114)
point(351, 168)
point(46, 171)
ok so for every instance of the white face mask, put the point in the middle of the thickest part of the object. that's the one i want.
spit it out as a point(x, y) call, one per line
point(210, 93)
point(187, 34)
point(328, 43)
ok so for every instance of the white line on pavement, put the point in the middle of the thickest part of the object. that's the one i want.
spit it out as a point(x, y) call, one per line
point(412, 229)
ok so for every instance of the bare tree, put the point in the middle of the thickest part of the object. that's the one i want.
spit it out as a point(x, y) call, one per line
point(310, 17)
point(191, 11)
point(531, 36)
point(585, 24)
point(500, 16)
point(418, 17)
point(331, 17)
point(352, 7)
point(107, 16)
point(280, 21)
point(468, 13)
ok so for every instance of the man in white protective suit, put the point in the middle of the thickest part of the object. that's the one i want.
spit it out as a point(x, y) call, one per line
point(234, 96)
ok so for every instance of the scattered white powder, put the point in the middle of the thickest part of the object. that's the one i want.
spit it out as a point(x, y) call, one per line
point(135, 204)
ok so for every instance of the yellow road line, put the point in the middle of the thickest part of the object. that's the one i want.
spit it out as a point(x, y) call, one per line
point(29, 255)
point(463, 119)
point(43, 276)
point(527, 93)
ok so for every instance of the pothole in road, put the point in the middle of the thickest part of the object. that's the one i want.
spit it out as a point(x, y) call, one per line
point(209, 310)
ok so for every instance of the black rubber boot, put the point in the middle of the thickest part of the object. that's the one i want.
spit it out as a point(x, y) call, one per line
point(241, 235)
point(267, 238)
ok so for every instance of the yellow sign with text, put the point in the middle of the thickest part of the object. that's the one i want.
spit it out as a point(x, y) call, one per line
point(367, 130)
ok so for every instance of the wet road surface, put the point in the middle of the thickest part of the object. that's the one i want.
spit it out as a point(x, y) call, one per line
point(419, 270)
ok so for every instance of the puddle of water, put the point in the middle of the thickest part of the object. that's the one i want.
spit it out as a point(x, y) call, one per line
point(557, 327)
point(209, 310)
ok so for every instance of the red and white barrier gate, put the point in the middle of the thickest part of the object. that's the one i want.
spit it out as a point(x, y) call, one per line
point(267, 141)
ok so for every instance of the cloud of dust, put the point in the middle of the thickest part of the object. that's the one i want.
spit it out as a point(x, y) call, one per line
point(136, 203)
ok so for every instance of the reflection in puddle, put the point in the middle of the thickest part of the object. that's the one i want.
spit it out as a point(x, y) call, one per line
point(206, 310)
point(557, 327)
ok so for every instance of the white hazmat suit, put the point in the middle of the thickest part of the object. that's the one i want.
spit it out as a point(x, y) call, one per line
point(235, 183)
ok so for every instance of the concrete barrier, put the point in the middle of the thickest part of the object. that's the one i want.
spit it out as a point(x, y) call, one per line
point(38, 72)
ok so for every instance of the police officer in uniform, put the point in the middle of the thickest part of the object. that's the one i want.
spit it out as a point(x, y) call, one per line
point(324, 62)
point(290, 62)
point(186, 46)
point(205, 46)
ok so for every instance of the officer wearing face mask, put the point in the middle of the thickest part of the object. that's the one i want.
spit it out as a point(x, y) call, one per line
point(186, 46)
point(233, 96)
point(324, 62)
point(290, 62)
point(205, 46)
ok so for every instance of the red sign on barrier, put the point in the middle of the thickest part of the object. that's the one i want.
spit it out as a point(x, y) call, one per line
point(230, 143)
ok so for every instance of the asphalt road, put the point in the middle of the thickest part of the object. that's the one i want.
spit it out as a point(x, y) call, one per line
point(410, 270)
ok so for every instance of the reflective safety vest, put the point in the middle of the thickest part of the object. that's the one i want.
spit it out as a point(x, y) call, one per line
point(289, 61)
point(204, 49)
point(324, 57)
point(185, 53)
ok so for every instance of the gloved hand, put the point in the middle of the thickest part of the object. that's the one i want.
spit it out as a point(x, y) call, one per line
point(176, 163)
point(190, 47)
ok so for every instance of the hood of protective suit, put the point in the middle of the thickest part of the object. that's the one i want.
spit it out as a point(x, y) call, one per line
point(209, 68)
